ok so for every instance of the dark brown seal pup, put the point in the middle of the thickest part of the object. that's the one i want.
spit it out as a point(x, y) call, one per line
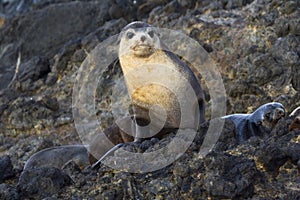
point(59, 156)
point(261, 121)
point(295, 125)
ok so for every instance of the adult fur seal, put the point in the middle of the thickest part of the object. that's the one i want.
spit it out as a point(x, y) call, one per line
point(141, 46)
point(261, 121)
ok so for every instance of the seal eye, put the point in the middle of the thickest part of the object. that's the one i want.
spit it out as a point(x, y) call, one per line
point(151, 34)
point(130, 35)
point(268, 115)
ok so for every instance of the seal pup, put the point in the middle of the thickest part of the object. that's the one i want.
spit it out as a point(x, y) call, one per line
point(59, 156)
point(261, 121)
point(295, 125)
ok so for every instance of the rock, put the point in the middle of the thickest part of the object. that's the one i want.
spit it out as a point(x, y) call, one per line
point(166, 13)
point(42, 182)
point(6, 168)
point(148, 6)
point(286, 53)
point(48, 102)
point(295, 78)
point(229, 176)
point(63, 57)
point(289, 7)
point(124, 9)
point(265, 69)
point(8, 192)
point(20, 115)
point(90, 41)
point(187, 4)
point(6, 97)
point(272, 157)
point(233, 4)
point(292, 151)
point(41, 37)
point(279, 148)
point(294, 26)
point(226, 138)
point(31, 71)
point(51, 79)
point(281, 26)
point(157, 186)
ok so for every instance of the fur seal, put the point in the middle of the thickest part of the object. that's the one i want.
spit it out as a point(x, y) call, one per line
point(261, 121)
point(140, 45)
point(59, 156)
point(295, 125)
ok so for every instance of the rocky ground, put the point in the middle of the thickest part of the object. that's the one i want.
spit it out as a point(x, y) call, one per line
point(254, 43)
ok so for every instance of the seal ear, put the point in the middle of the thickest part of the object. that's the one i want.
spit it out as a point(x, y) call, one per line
point(119, 38)
point(157, 33)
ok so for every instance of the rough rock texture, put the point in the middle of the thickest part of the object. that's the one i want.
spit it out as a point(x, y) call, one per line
point(42, 182)
point(6, 168)
point(255, 44)
point(8, 192)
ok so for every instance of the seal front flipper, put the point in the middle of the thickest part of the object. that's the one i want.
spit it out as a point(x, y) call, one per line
point(112, 150)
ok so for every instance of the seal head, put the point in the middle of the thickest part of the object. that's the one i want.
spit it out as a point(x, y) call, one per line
point(139, 39)
point(268, 115)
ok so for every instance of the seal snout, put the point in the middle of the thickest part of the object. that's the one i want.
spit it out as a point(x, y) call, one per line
point(277, 112)
point(143, 38)
point(280, 112)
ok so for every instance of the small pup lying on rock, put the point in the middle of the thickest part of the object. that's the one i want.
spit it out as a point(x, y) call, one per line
point(258, 123)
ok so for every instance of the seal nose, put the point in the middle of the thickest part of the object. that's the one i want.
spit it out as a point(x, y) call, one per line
point(143, 38)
